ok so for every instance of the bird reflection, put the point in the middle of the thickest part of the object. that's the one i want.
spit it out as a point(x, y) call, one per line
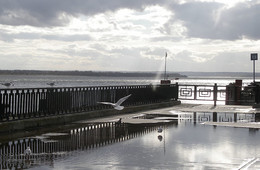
point(160, 138)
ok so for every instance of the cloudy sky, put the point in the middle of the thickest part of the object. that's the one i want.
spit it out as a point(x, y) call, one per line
point(129, 35)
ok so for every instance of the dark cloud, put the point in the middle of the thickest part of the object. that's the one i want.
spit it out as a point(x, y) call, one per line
point(213, 20)
point(56, 12)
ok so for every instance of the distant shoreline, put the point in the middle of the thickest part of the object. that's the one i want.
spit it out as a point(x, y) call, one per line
point(219, 74)
point(160, 75)
point(91, 73)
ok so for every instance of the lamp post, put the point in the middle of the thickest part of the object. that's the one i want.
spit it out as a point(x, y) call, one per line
point(254, 56)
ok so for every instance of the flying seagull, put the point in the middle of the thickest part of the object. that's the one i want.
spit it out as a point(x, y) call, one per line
point(118, 103)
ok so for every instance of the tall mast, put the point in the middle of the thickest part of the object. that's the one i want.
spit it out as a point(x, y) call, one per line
point(165, 66)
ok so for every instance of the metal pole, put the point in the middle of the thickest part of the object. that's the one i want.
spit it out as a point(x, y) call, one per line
point(254, 71)
point(165, 66)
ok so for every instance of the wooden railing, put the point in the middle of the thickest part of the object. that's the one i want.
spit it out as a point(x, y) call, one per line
point(16, 104)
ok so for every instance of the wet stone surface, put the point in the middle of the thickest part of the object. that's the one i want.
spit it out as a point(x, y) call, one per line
point(187, 141)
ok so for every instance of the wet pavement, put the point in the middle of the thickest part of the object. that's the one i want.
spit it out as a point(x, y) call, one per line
point(193, 138)
point(171, 113)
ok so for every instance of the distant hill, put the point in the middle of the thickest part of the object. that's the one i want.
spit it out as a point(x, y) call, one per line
point(90, 73)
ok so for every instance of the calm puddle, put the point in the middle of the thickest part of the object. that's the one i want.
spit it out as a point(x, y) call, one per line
point(184, 143)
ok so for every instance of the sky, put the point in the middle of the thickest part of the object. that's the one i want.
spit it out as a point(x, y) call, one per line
point(129, 35)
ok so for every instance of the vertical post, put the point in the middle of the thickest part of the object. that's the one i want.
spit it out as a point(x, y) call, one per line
point(176, 92)
point(195, 92)
point(235, 117)
point(215, 116)
point(254, 56)
point(165, 66)
point(254, 71)
point(195, 117)
point(215, 93)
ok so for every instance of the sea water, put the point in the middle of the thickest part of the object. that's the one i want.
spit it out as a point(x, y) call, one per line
point(40, 81)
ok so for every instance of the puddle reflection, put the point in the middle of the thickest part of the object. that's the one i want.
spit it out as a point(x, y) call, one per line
point(50, 146)
point(182, 143)
point(200, 117)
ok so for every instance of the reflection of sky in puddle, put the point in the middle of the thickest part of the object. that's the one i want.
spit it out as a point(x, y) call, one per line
point(187, 144)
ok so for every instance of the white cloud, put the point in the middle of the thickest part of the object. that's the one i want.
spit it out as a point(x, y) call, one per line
point(129, 35)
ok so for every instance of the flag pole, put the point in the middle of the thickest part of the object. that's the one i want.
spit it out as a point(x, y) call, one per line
point(165, 66)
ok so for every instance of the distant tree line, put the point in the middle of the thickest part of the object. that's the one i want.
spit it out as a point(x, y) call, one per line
point(220, 74)
point(90, 73)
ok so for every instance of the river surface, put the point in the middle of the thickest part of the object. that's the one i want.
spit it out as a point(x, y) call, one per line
point(35, 81)
point(185, 143)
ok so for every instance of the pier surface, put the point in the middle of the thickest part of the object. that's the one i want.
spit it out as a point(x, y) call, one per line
point(169, 112)
point(161, 115)
point(218, 108)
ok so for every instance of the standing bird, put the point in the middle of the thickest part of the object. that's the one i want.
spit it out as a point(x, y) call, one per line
point(160, 129)
point(118, 103)
point(27, 152)
point(119, 122)
point(51, 83)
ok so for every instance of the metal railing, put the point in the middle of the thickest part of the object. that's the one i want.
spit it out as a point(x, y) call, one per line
point(230, 94)
point(202, 92)
point(16, 104)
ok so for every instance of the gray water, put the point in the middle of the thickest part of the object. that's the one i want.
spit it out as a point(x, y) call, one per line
point(35, 81)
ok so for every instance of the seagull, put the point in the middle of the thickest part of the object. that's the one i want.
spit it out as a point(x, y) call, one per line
point(119, 122)
point(118, 103)
point(160, 130)
point(7, 84)
point(51, 84)
point(28, 151)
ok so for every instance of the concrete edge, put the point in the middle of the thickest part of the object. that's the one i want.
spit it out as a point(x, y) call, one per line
point(27, 124)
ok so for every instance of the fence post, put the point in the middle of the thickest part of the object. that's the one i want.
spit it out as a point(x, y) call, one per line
point(215, 94)
point(256, 86)
point(195, 92)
